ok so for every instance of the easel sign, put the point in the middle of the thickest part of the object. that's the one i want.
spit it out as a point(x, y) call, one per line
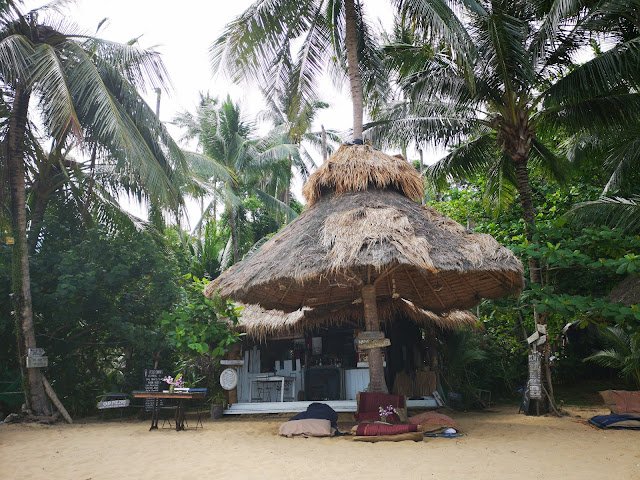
point(152, 379)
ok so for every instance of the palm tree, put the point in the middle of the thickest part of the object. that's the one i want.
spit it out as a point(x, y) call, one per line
point(232, 162)
point(619, 147)
point(623, 353)
point(523, 88)
point(257, 44)
point(86, 89)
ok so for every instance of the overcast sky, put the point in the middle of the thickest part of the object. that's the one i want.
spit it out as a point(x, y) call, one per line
point(182, 31)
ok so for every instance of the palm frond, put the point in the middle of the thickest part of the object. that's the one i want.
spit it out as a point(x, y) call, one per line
point(466, 160)
point(616, 212)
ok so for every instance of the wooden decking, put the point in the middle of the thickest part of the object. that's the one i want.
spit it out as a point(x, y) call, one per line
point(293, 407)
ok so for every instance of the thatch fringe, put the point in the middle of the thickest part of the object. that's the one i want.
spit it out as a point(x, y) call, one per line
point(359, 167)
point(259, 323)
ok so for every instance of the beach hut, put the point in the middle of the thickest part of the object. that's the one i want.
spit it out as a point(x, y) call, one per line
point(364, 241)
point(281, 343)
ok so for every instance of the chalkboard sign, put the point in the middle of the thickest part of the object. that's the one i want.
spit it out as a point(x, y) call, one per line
point(152, 381)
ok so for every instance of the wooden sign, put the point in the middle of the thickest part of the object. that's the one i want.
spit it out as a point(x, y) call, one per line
point(370, 336)
point(535, 375)
point(37, 361)
point(35, 352)
point(369, 344)
point(113, 404)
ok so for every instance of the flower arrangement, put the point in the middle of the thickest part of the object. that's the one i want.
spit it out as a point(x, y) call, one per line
point(386, 411)
point(174, 382)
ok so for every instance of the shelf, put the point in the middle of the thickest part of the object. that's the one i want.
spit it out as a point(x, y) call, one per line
point(231, 362)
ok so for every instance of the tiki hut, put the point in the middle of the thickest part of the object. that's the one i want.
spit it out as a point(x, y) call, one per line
point(365, 240)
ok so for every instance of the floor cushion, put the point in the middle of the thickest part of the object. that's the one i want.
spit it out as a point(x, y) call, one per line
point(308, 427)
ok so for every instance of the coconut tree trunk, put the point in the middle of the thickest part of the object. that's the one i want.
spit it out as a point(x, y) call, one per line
point(324, 144)
point(351, 43)
point(35, 397)
point(529, 215)
point(377, 382)
point(37, 220)
point(92, 181)
point(234, 233)
point(535, 273)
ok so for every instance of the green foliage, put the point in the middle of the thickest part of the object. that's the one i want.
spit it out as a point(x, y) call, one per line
point(198, 325)
point(599, 257)
point(492, 360)
point(97, 296)
point(623, 353)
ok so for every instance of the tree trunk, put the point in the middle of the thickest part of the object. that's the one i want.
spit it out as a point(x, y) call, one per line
point(234, 233)
point(377, 382)
point(287, 189)
point(35, 397)
point(37, 220)
point(351, 43)
point(529, 214)
point(535, 273)
point(92, 181)
point(324, 144)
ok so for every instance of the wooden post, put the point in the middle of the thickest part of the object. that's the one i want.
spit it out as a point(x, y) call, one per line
point(432, 345)
point(54, 398)
point(377, 382)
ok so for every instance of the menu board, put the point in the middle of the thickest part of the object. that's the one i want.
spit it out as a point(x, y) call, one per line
point(152, 380)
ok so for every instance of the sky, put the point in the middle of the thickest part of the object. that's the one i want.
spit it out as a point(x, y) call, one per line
point(182, 33)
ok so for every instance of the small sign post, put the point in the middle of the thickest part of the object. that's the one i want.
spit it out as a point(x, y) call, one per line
point(37, 361)
point(113, 404)
point(35, 352)
point(370, 336)
point(369, 344)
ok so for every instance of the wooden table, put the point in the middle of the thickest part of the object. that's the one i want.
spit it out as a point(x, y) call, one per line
point(181, 397)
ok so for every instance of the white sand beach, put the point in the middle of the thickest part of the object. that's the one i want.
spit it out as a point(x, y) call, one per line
point(500, 445)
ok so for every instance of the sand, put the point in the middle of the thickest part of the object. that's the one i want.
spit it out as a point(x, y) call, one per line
point(500, 445)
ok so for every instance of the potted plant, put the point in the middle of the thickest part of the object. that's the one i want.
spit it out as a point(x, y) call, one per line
point(218, 403)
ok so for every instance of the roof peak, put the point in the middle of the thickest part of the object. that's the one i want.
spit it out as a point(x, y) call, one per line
point(355, 168)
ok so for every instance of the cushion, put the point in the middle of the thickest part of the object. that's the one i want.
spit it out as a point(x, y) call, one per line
point(415, 436)
point(622, 401)
point(319, 411)
point(433, 421)
point(374, 429)
point(369, 404)
point(309, 427)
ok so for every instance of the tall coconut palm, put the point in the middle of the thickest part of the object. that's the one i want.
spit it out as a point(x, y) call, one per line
point(524, 88)
point(258, 45)
point(82, 88)
point(232, 160)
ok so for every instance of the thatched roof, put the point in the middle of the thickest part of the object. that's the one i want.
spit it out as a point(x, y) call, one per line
point(360, 167)
point(627, 291)
point(349, 238)
point(260, 323)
